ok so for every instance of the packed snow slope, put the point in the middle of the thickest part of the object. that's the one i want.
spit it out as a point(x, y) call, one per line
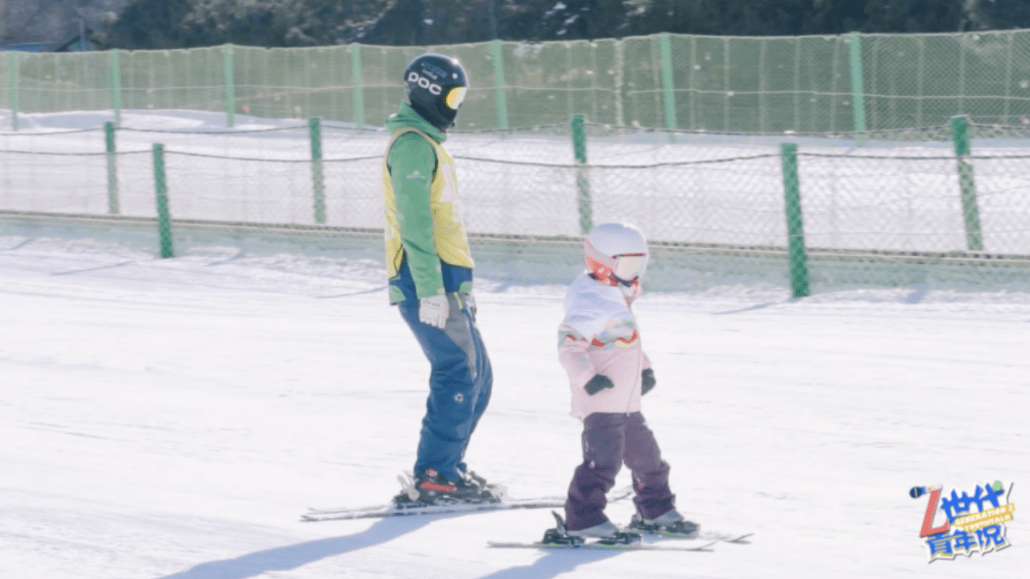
point(172, 419)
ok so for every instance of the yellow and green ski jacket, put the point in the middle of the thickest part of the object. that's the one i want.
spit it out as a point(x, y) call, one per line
point(427, 250)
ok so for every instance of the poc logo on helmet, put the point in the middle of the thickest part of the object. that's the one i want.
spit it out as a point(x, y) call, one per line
point(424, 82)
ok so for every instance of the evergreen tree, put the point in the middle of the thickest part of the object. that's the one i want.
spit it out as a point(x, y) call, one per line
point(836, 17)
point(245, 22)
point(569, 19)
point(188, 23)
point(749, 17)
point(150, 24)
point(915, 15)
point(1002, 14)
point(273, 23)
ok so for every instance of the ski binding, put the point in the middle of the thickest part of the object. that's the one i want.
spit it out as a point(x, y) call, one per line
point(404, 505)
point(558, 538)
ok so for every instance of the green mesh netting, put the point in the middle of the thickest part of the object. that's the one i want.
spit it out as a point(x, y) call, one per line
point(682, 136)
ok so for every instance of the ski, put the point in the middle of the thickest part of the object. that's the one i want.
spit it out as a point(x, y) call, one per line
point(736, 538)
point(706, 548)
point(708, 536)
point(559, 538)
point(413, 509)
point(653, 530)
point(406, 507)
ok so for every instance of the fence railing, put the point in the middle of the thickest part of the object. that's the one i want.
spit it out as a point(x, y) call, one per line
point(809, 84)
point(808, 214)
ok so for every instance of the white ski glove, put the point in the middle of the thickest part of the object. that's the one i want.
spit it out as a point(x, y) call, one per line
point(434, 311)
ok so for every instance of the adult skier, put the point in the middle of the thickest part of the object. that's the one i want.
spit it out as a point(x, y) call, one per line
point(430, 278)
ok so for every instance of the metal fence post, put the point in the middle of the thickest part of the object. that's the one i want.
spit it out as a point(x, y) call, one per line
point(620, 65)
point(795, 226)
point(230, 84)
point(116, 86)
point(692, 83)
point(12, 85)
point(857, 86)
point(970, 208)
point(668, 95)
point(164, 220)
point(502, 102)
point(579, 147)
point(112, 169)
point(359, 93)
point(317, 181)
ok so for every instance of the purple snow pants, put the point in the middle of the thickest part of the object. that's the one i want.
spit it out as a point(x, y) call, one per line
point(609, 439)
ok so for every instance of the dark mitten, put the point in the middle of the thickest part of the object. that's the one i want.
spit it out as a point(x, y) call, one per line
point(597, 383)
point(647, 381)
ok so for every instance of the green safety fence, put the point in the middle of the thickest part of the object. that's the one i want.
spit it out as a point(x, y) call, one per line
point(809, 84)
point(946, 204)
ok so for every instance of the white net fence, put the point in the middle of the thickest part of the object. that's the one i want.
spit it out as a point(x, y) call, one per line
point(887, 213)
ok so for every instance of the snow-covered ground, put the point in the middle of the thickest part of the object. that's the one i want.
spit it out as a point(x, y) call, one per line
point(173, 419)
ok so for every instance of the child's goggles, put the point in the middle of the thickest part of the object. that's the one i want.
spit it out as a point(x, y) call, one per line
point(629, 266)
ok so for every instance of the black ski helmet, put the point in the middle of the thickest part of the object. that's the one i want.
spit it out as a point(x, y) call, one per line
point(436, 85)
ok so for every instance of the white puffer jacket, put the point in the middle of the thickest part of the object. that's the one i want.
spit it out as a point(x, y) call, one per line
point(599, 335)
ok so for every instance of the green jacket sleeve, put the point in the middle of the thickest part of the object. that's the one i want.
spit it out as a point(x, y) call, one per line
point(412, 164)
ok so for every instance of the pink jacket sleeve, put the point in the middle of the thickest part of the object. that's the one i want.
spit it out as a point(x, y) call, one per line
point(573, 355)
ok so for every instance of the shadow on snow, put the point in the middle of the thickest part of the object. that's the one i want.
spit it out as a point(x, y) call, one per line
point(291, 557)
point(294, 556)
point(552, 564)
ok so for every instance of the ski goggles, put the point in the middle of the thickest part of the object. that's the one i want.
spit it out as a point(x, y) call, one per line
point(455, 97)
point(629, 266)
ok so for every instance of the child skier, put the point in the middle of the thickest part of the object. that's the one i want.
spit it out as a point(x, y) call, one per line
point(599, 346)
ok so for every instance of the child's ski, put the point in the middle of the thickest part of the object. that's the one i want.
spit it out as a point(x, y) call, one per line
point(720, 537)
point(684, 530)
point(558, 538)
point(603, 545)
point(713, 536)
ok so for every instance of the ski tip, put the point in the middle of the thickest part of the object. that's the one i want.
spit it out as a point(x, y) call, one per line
point(741, 539)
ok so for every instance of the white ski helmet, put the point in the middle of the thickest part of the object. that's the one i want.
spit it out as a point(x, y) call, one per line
point(616, 252)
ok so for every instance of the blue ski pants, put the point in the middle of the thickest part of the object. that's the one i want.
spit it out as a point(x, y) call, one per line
point(460, 382)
